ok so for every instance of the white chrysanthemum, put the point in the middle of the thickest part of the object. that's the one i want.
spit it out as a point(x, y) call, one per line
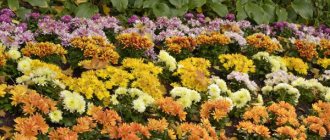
point(114, 100)
point(327, 95)
point(24, 64)
point(169, 61)
point(135, 92)
point(241, 98)
point(214, 91)
point(260, 100)
point(186, 96)
point(121, 91)
point(299, 82)
point(266, 89)
point(59, 84)
point(261, 56)
point(139, 105)
point(23, 79)
point(147, 99)
point(185, 102)
point(221, 83)
point(282, 86)
point(55, 116)
point(73, 101)
point(14, 54)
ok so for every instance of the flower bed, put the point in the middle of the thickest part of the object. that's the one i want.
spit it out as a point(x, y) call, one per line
point(168, 78)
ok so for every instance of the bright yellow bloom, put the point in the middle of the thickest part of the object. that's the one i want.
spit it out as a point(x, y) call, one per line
point(237, 62)
point(3, 87)
point(88, 84)
point(324, 62)
point(146, 76)
point(194, 73)
point(3, 56)
point(296, 64)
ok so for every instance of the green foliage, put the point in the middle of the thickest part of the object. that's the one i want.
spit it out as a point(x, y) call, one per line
point(259, 11)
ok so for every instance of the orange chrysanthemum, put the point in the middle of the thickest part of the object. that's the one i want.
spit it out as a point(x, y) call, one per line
point(84, 124)
point(221, 109)
point(157, 125)
point(63, 134)
point(214, 38)
point(258, 114)
point(177, 43)
point(192, 132)
point(315, 124)
point(251, 128)
point(31, 126)
point(33, 100)
point(306, 49)
point(262, 41)
point(171, 107)
point(285, 113)
point(132, 131)
point(108, 118)
point(43, 49)
point(96, 48)
point(287, 131)
point(135, 41)
point(325, 47)
point(323, 112)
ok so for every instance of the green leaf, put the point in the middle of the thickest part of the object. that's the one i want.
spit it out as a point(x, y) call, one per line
point(149, 3)
point(269, 11)
point(138, 3)
point(179, 12)
point(161, 9)
point(282, 14)
point(22, 12)
point(38, 3)
point(240, 12)
point(120, 5)
point(196, 3)
point(292, 15)
point(303, 7)
point(13, 4)
point(179, 3)
point(86, 10)
point(219, 8)
point(257, 13)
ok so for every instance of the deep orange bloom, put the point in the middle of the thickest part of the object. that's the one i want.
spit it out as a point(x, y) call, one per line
point(43, 49)
point(31, 126)
point(257, 114)
point(84, 124)
point(171, 107)
point(221, 109)
point(177, 43)
point(135, 41)
point(63, 134)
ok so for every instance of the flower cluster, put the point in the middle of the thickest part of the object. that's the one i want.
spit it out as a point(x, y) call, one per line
point(296, 64)
point(237, 62)
point(96, 48)
point(43, 49)
point(169, 78)
point(263, 42)
point(135, 41)
point(177, 43)
point(194, 73)
point(212, 39)
point(306, 49)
